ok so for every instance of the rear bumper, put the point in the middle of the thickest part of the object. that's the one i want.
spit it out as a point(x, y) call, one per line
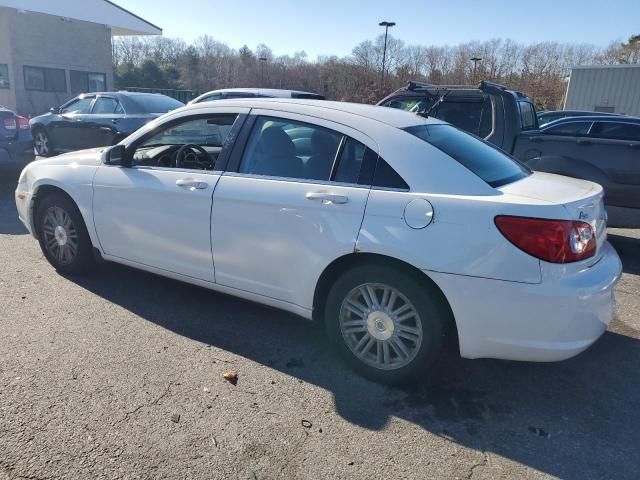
point(550, 321)
point(18, 151)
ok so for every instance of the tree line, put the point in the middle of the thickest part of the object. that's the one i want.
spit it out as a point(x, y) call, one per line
point(540, 69)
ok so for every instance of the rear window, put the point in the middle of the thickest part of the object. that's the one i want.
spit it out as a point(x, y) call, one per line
point(156, 103)
point(472, 116)
point(486, 161)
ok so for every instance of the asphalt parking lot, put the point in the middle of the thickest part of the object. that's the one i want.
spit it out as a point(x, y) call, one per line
point(119, 375)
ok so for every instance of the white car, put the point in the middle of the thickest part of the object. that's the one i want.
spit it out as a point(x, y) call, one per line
point(234, 93)
point(399, 232)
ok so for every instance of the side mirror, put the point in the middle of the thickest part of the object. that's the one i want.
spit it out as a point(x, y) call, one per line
point(54, 109)
point(114, 155)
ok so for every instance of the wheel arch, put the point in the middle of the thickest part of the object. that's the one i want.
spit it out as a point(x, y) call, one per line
point(346, 262)
point(41, 192)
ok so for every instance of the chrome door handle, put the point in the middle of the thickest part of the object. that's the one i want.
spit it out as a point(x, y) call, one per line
point(191, 184)
point(326, 197)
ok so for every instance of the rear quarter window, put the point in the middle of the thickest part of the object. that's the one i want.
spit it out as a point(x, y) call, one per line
point(527, 116)
point(486, 161)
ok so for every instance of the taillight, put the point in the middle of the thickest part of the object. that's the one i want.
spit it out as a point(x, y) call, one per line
point(23, 123)
point(557, 241)
point(9, 123)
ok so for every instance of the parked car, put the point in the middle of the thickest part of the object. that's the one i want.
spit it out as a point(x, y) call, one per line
point(16, 144)
point(552, 115)
point(508, 120)
point(404, 235)
point(602, 149)
point(96, 120)
point(488, 110)
point(229, 93)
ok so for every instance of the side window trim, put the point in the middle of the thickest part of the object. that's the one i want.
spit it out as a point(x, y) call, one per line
point(336, 159)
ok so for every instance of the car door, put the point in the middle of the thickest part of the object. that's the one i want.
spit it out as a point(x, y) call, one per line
point(280, 217)
point(616, 151)
point(103, 121)
point(157, 213)
point(74, 129)
point(569, 140)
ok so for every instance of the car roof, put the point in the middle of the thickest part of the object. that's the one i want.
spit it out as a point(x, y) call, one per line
point(390, 116)
point(595, 118)
point(272, 92)
point(581, 113)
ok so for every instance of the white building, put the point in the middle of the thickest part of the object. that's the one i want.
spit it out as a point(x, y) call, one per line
point(604, 88)
point(52, 50)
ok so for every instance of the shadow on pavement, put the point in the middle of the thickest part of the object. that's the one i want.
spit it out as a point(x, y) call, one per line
point(577, 419)
point(9, 222)
point(629, 250)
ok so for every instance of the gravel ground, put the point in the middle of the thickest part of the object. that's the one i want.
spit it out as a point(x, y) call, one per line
point(119, 375)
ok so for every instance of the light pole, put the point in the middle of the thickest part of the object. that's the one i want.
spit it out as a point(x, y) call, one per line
point(386, 26)
point(263, 60)
point(475, 61)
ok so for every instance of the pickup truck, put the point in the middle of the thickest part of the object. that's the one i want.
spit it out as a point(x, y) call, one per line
point(508, 120)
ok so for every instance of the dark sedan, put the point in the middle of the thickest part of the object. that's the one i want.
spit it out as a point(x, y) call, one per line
point(603, 149)
point(96, 120)
point(552, 115)
point(16, 144)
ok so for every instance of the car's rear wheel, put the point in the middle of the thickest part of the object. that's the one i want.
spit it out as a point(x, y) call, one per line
point(42, 143)
point(387, 324)
point(62, 234)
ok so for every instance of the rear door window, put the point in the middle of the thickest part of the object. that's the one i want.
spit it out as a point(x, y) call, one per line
point(570, 129)
point(287, 148)
point(486, 161)
point(105, 105)
point(616, 131)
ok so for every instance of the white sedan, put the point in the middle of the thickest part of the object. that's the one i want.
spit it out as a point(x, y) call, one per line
point(404, 235)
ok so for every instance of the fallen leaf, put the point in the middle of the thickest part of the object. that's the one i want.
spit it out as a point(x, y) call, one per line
point(231, 376)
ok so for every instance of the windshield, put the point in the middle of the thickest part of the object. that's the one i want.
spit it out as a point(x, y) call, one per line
point(486, 161)
point(156, 103)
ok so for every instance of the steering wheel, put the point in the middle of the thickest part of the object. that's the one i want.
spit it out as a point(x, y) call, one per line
point(182, 152)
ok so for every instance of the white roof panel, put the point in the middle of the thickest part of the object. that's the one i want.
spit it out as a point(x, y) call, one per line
point(105, 12)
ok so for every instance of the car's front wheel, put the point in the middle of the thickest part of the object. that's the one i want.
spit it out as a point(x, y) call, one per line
point(42, 143)
point(388, 325)
point(62, 234)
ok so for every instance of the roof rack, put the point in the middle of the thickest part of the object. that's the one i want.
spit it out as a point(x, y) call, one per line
point(417, 85)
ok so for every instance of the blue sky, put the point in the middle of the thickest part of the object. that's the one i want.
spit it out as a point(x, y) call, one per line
point(336, 26)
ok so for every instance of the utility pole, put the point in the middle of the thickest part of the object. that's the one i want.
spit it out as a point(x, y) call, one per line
point(262, 60)
point(475, 61)
point(386, 26)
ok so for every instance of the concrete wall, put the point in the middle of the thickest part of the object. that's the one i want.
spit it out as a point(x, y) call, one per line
point(42, 40)
point(613, 86)
point(7, 96)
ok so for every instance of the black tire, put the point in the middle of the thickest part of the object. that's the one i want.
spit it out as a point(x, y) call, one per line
point(83, 260)
point(42, 143)
point(434, 317)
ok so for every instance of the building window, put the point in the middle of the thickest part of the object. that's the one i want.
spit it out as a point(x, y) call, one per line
point(45, 79)
point(4, 76)
point(82, 82)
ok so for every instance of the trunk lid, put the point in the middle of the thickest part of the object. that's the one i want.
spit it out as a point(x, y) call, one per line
point(583, 201)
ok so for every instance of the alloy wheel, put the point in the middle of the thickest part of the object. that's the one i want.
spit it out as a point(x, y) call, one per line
point(42, 143)
point(380, 326)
